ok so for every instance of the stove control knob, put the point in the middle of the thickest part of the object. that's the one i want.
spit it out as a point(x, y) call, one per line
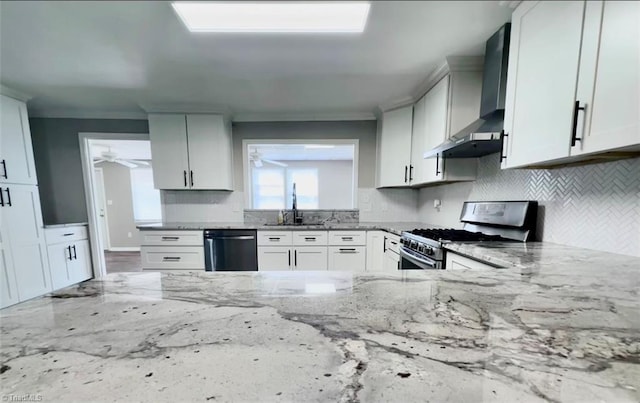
point(428, 251)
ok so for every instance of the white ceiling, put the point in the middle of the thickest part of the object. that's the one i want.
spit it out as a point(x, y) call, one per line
point(119, 58)
point(125, 149)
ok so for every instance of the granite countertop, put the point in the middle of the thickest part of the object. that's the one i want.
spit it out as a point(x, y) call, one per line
point(537, 331)
point(393, 227)
point(77, 224)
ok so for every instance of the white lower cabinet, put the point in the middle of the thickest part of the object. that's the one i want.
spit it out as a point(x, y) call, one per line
point(347, 258)
point(69, 256)
point(310, 258)
point(273, 258)
point(459, 262)
point(172, 250)
point(8, 285)
point(375, 251)
point(23, 244)
point(288, 250)
point(391, 252)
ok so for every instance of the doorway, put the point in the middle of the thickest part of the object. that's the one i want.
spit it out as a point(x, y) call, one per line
point(120, 196)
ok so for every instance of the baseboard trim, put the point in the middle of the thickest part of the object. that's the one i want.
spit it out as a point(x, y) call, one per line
point(125, 249)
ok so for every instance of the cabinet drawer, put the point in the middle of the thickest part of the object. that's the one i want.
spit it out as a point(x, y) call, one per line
point(172, 238)
point(303, 238)
point(347, 258)
point(65, 234)
point(274, 238)
point(348, 238)
point(185, 257)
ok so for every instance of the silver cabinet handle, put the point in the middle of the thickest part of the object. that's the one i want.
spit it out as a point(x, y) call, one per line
point(170, 238)
point(68, 234)
point(347, 238)
point(348, 250)
point(310, 238)
point(171, 258)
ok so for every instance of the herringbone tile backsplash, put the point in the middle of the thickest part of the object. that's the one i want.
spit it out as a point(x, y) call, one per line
point(592, 206)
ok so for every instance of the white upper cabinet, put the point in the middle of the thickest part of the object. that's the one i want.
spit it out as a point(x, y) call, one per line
point(394, 152)
point(609, 85)
point(419, 165)
point(16, 153)
point(210, 151)
point(191, 152)
point(169, 151)
point(573, 81)
point(448, 108)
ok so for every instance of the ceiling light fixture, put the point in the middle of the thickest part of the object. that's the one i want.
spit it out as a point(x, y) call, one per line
point(267, 17)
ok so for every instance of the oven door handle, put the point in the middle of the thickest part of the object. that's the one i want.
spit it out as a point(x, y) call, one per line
point(416, 260)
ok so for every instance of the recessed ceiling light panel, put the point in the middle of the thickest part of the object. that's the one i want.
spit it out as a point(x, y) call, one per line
point(267, 17)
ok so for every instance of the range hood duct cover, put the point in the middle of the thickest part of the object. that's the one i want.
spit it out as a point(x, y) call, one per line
point(482, 137)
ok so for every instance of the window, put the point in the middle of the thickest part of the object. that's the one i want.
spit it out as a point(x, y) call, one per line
point(269, 190)
point(325, 174)
point(146, 199)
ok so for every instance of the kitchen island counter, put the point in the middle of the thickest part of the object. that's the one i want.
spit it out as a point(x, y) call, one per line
point(527, 334)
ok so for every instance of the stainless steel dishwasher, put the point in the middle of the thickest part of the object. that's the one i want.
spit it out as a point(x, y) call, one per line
point(230, 250)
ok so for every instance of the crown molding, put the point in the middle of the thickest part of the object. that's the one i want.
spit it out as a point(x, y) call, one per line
point(84, 114)
point(185, 108)
point(451, 64)
point(301, 117)
point(12, 93)
point(396, 103)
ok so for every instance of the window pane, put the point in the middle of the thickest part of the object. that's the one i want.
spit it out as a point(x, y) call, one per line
point(306, 181)
point(268, 188)
point(146, 199)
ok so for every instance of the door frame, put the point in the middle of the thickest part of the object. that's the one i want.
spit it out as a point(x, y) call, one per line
point(88, 178)
point(107, 241)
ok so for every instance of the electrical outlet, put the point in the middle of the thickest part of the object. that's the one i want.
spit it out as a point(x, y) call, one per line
point(129, 234)
point(437, 203)
point(110, 202)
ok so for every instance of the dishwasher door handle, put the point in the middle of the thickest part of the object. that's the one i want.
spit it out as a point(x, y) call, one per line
point(232, 238)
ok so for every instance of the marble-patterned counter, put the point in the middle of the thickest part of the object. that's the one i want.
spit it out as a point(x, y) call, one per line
point(567, 333)
point(393, 227)
point(535, 256)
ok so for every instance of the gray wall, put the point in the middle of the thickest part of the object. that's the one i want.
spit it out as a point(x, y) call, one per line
point(117, 189)
point(57, 153)
point(362, 130)
point(592, 206)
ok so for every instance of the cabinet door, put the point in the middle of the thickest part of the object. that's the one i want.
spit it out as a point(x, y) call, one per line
point(209, 152)
point(391, 261)
point(59, 258)
point(16, 153)
point(541, 84)
point(310, 258)
point(418, 143)
point(80, 266)
point(609, 82)
point(375, 251)
point(272, 258)
point(395, 147)
point(168, 134)
point(436, 107)
point(347, 258)
point(23, 220)
point(8, 287)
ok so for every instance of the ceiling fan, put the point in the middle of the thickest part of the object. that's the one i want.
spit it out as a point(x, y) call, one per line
point(110, 156)
point(256, 158)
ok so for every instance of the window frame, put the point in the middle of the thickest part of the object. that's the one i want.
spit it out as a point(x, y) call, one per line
point(248, 189)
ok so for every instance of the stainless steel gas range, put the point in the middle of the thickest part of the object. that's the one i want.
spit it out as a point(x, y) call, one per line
point(508, 221)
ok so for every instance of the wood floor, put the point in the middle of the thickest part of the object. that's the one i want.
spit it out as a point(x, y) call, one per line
point(118, 262)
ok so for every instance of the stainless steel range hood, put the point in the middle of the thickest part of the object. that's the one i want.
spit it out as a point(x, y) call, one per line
point(483, 136)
